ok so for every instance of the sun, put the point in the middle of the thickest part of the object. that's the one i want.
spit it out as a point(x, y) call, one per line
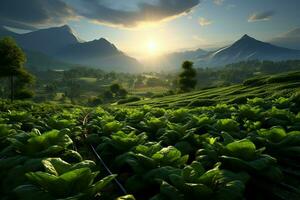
point(152, 47)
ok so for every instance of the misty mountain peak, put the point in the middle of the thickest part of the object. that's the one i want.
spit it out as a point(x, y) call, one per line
point(104, 43)
point(66, 28)
point(247, 38)
point(103, 40)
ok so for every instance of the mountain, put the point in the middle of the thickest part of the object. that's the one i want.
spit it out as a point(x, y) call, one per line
point(48, 41)
point(99, 53)
point(4, 32)
point(290, 39)
point(179, 57)
point(247, 48)
point(59, 45)
point(41, 62)
point(173, 61)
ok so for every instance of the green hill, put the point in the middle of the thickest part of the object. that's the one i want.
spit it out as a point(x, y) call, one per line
point(279, 85)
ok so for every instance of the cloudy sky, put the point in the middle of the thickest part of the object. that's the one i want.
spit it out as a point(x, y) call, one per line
point(157, 26)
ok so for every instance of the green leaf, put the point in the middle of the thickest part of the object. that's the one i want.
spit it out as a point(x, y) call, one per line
point(161, 173)
point(97, 187)
point(56, 166)
point(198, 190)
point(126, 197)
point(84, 164)
point(262, 163)
point(49, 182)
point(208, 177)
point(274, 134)
point(30, 192)
point(244, 149)
point(46, 141)
point(170, 191)
point(178, 182)
point(169, 156)
point(233, 190)
point(192, 172)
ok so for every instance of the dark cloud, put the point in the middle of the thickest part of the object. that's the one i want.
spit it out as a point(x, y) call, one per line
point(30, 14)
point(145, 12)
point(261, 16)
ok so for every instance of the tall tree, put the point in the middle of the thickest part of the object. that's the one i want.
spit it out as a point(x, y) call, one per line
point(12, 60)
point(187, 78)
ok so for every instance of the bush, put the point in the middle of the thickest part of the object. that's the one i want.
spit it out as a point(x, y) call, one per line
point(295, 76)
point(95, 101)
point(202, 102)
point(256, 81)
point(128, 100)
point(24, 94)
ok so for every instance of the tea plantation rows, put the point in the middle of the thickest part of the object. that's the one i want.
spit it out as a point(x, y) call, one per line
point(226, 151)
point(267, 87)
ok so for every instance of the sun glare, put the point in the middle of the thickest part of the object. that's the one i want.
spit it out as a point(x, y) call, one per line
point(152, 47)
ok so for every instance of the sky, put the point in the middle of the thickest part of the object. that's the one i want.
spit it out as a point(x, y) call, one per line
point(145, 28)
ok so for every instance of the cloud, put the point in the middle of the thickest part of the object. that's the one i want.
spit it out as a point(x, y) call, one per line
point(261, 16)
point(30, 14)
point(218, 2)
point(290, 39)
point(144, 12)
point(204, 22)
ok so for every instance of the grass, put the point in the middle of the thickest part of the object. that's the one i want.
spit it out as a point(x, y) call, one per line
point(88, 79)
point(265, 87)
point(144, 90)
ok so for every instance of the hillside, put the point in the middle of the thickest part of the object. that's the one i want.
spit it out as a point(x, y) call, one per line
point(265, 87)
point(247, 48)
point(61, 45)
point(99, 54)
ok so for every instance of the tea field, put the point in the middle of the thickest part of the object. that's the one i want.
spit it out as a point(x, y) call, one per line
point(268, 86)
point(229, 150)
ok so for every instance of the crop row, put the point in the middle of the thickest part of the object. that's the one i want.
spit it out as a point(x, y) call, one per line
point(227, 151)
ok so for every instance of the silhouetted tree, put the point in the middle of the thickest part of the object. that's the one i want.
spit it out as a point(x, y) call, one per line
point(114, 88)
point(108, 95)
point(117, 91)
point(12, 59)
point(187, 78)
point(122, 93)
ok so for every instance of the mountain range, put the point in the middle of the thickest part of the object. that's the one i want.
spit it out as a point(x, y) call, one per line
point(59, 48)
point(246, 48)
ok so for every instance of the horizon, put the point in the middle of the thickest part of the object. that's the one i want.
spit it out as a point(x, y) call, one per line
point(149, 99)
point(146, 29)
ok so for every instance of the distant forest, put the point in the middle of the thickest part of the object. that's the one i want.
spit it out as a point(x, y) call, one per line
point(89, 86)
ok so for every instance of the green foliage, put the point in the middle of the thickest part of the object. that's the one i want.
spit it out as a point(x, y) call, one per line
point(129, 99)
point(187, 79)
point(12, 59)
point(62, 179)
point(223, 151)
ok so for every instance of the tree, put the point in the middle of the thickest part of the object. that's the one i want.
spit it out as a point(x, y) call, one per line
point(122, 93)
point(187, 78)
point(117, 91)
point(12, 59)
point(114, 88)
point(108, 95)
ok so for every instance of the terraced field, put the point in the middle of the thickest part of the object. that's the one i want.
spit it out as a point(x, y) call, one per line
point(265, 87)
